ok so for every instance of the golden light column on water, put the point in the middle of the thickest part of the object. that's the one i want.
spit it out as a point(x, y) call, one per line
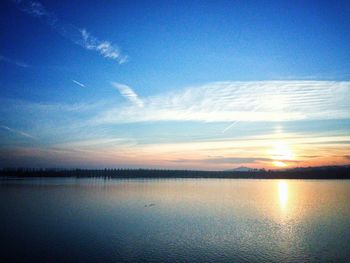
point(283, 194)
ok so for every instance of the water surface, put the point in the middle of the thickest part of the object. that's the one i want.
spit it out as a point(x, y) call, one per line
point(174, 220)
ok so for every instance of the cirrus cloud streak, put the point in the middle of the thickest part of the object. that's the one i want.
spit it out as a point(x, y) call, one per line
point(236, 101)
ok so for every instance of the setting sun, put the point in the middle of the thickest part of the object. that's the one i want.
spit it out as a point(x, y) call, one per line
point(279, 164)
point(281, 153)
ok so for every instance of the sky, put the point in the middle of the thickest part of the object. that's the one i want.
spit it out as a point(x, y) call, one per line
point(209, 85)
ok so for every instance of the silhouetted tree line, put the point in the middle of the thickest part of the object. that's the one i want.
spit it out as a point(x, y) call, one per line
point(332, 172)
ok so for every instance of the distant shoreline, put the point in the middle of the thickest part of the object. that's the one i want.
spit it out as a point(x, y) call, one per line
point(336, 172)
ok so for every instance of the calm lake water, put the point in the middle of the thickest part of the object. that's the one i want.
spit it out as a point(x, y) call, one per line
point(176, 220)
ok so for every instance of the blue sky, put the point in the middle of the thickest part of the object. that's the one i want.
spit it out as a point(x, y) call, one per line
point(182, 84)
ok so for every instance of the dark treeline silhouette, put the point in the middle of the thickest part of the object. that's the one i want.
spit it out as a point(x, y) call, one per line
point(329, 172)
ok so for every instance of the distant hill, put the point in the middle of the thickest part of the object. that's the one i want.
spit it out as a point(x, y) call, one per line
point(242, 169)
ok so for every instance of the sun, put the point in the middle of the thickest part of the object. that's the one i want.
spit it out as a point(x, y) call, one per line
point(279, 164)
point(281, 153)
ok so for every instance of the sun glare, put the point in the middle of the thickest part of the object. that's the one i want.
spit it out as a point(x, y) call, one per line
point(279, 164)
point(280, 154)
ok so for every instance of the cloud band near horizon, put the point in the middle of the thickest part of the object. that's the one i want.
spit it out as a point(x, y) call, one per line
point(276, 101)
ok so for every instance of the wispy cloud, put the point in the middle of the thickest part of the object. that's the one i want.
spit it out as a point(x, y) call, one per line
point(14, 62)
point(251, 151)
point(105, 48)
point(128, 93)
point(237, 101)
point(78, 36)
point(79, 83)
point(24, 134)
point(93, 133)
point(32, 7)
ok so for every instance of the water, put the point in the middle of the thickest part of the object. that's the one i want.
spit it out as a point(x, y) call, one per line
point(177, 220)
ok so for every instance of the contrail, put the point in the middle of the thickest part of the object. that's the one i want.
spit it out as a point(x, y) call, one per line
point(24, 134)
point(79, 83)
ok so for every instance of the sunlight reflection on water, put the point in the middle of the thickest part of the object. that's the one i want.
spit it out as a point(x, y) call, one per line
point(176, 220)
point(283, 194)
